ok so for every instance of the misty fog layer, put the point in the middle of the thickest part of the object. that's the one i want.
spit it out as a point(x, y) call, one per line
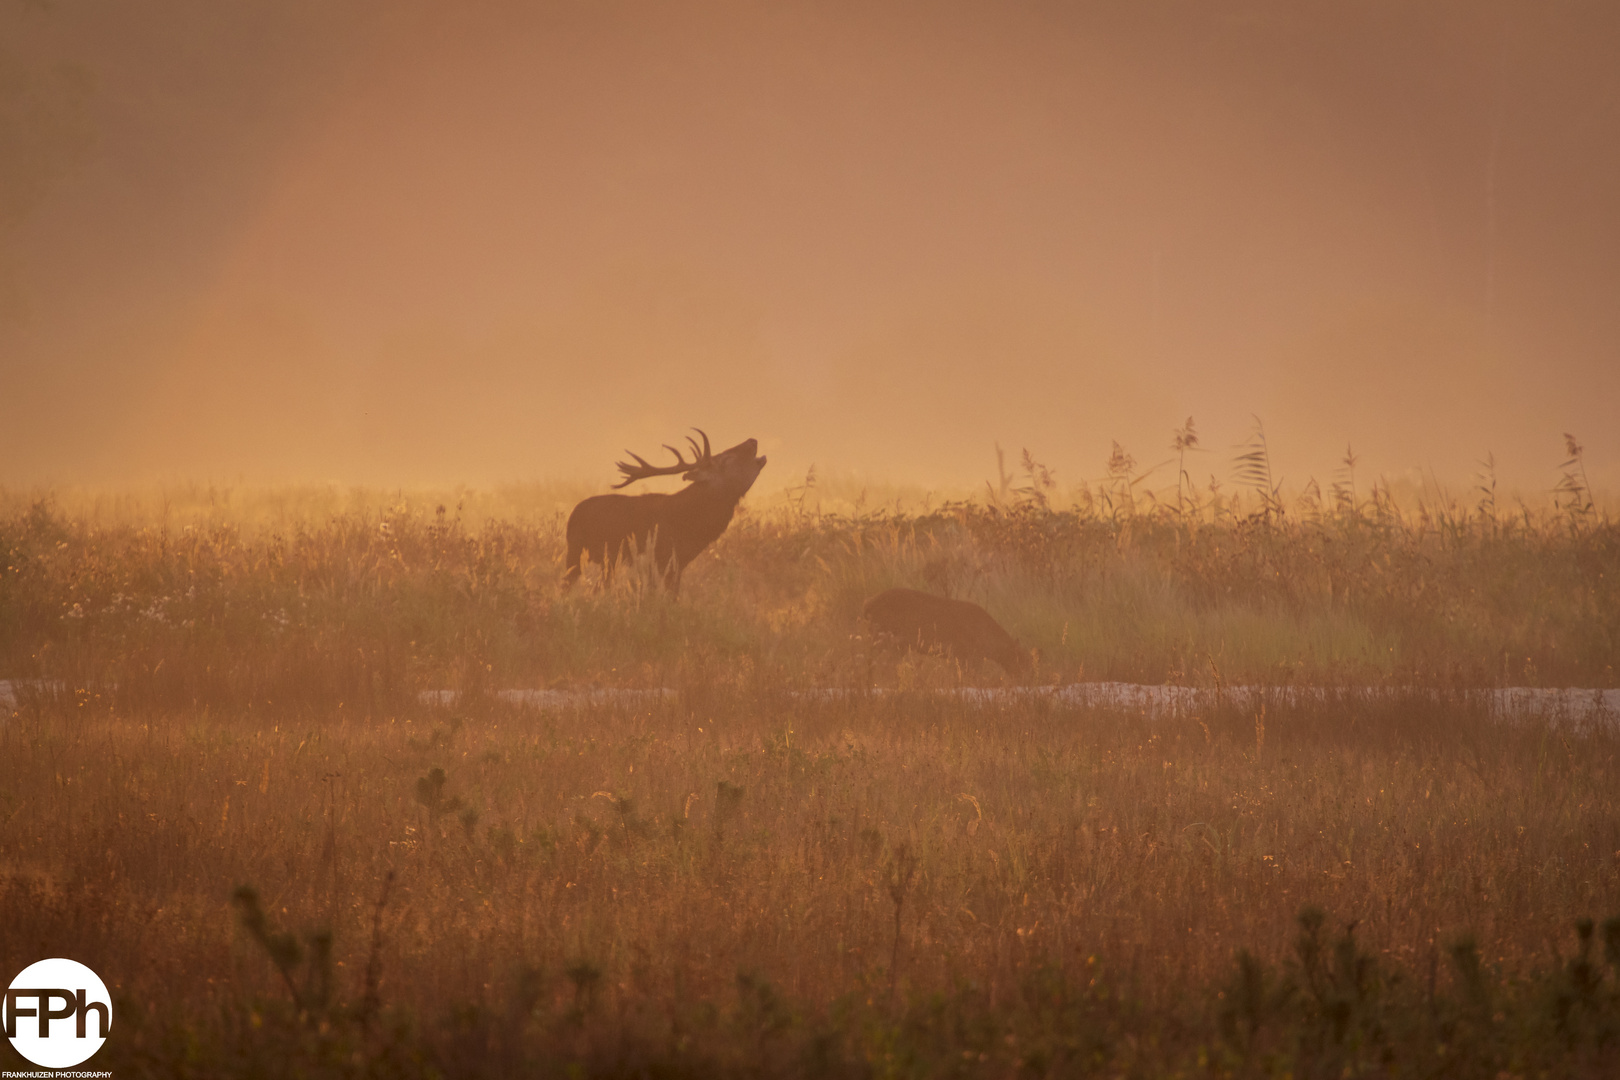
point(405, 243)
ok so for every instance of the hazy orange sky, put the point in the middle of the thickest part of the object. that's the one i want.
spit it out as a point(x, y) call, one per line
point(394, 242)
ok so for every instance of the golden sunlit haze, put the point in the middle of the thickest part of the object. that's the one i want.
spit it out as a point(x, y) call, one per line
point(410, 243)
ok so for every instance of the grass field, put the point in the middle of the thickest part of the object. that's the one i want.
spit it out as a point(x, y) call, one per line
point(237, 810)
point(307, 599)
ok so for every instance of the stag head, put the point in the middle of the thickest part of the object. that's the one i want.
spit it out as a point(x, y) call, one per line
point(731, 472)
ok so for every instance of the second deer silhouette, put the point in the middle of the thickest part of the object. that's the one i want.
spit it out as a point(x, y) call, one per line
point(678, 526)
point(958, 628)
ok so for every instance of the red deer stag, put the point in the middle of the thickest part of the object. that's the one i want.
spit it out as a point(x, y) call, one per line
point(964, 630)
point(683, 523)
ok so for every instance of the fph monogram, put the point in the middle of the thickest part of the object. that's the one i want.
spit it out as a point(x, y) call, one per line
point(57, 1013)
point(74, 1006)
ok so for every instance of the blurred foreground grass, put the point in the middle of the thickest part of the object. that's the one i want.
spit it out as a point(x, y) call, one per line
point(744, 884)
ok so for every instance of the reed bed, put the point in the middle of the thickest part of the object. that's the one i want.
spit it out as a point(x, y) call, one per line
point(369, 605)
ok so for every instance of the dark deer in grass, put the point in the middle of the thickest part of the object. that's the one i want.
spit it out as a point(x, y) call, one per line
point(678, 526)
point(957, 628)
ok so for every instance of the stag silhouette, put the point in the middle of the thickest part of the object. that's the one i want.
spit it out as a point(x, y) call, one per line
point(678, 526)
point(958, 628)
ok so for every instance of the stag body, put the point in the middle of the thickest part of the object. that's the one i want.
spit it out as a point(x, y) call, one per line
point(959, 628)
point(679, 526)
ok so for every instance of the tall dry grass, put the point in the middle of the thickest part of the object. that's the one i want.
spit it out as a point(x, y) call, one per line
point(366, 605)
point(747, 882)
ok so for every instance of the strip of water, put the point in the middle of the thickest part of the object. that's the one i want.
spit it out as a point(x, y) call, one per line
point(1562, 703)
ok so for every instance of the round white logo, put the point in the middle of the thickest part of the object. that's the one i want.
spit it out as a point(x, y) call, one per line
point(57, 1013)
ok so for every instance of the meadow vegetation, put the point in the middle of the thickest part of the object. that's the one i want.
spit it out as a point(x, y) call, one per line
point(321, 597)
point(744, 883)
point(221, 788)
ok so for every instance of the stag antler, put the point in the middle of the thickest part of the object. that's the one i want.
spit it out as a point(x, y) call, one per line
point(643, 468)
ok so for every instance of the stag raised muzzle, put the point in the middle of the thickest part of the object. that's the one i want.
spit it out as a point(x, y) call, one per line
point(679, 526)
point(957, 628)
